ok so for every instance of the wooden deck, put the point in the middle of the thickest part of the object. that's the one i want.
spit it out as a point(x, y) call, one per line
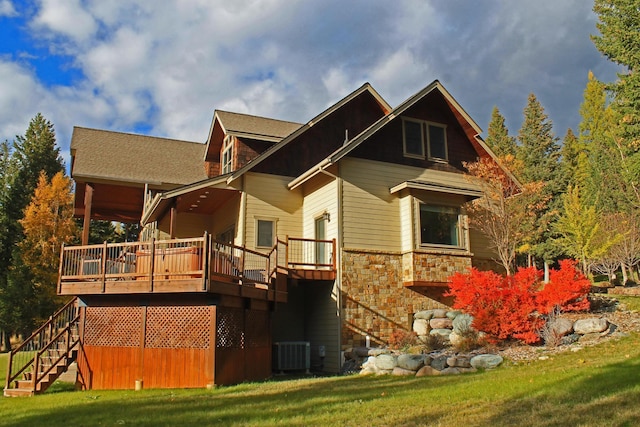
point(195, 265)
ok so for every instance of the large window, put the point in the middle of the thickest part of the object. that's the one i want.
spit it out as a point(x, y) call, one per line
point(265, 233)
point(227, 154)
point(419, 134)
point(439, 225)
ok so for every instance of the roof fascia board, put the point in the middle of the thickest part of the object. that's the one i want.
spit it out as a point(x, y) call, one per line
point(440, 188)
point(215, 119)
point(364, 88)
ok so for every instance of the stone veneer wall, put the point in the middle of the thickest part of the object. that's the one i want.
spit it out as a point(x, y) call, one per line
point(432, 266)
point(374, 299)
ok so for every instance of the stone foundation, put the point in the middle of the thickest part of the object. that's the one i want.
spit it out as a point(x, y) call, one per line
point(375, 301)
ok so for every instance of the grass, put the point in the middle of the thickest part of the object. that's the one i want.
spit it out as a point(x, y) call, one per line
point(598, 386)
point(630, 303)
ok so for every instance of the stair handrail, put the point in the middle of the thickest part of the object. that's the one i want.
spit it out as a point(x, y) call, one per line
point(38, 376)
point(36, 334)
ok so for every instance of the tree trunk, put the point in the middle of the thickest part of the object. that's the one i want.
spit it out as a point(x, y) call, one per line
point(546, 272)
point(625, 277)
point(6, 338)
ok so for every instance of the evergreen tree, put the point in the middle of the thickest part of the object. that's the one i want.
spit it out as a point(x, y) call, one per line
point(539, 154)
point(498, 136)
point(604, 184)
point(573, 160)
point(619, 26)
point(30, 154)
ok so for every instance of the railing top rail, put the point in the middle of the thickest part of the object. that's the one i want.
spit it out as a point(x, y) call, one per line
point(301, 239)
point(242, 248)
point(45, 325)
point(58, 335)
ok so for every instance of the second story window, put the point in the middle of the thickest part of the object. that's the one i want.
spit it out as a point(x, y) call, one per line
point(424, 139)
point(227, 154)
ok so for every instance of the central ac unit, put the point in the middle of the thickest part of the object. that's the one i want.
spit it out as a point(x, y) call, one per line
point(292, 356)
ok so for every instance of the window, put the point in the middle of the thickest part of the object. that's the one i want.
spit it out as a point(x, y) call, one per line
point(227, 154)
point(439, 225)
point(437, 142)
point(265, 232)
point(415, 132)
point(413, 142)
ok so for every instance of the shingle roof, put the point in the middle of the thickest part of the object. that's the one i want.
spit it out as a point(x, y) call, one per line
point(125, 157)
point(247, 125)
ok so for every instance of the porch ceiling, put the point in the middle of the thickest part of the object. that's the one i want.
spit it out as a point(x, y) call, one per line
point(110, 202)
point(203, 201)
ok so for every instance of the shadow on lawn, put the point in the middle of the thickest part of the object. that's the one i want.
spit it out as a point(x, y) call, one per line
point(608, 396)
point(316, 402)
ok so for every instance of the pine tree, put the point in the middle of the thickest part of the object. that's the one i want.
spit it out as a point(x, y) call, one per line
point(30, 154)
point(573, 159)
point(619, 26)
point(539, 154)
point(604, 184)
point(498, 136)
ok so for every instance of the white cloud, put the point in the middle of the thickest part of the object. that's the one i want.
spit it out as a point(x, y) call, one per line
point(67, 18)
point(7, 9)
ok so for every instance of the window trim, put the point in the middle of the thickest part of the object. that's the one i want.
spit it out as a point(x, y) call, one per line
point(226, 165)
point(446, 146)
point(404, 138)
point(425, 139)
point(461, 236)
point(274, 225)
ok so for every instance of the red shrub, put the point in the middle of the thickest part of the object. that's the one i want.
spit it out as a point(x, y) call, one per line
point(508, 307)
point(567, 288)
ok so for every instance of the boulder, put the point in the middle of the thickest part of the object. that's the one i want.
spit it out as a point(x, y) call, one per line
point(425, 314)
point(386, 362)
point(590, 326)
point(439, 312)
point(441, 323)
point(459, 361)
point(439, 362)
point(486, 361)
point(378, 351)
point(561, 326)
point(590, 338)
point(453, 314)
point(398, 371)
point(368, 371)
point(450, 371)
point(427, 371)
point(444, 333)
point(411, 362)
point(569, 339)
point(462, 323)
point(421, 327)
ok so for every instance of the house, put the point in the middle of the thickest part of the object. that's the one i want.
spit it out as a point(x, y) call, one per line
point(332, 232)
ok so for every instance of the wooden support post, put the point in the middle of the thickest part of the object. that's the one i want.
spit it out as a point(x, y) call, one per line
point(104, 266)
point(172, 221)
point(88, 200)
point(152, 263)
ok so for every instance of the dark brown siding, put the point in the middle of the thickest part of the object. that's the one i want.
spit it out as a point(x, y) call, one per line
point(324, 137)
point(386, 145)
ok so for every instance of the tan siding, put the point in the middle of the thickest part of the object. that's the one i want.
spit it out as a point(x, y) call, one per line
point(269, 198)
point(406, 221)
point(480, 245)
point(323, 325)
point(320, 197)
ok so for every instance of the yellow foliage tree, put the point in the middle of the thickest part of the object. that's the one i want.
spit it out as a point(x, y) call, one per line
point(47, 224)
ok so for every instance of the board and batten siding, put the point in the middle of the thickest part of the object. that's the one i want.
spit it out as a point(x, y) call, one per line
point(375, 219)
point(268, 198)
point(323, 324)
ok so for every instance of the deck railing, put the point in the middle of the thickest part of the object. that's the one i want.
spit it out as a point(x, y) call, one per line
point(27, 361)
point(192, 259)
point(311, 253)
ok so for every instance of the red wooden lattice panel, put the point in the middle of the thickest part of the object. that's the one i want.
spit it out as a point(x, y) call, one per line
point(178, 327)
point(113, 326)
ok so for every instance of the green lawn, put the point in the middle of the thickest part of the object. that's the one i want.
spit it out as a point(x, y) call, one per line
point(597, 386)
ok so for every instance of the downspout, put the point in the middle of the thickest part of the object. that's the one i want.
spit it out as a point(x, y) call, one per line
point(243, 212)
point(338, 255)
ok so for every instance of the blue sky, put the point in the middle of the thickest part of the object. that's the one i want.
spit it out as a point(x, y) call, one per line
point(162, 68)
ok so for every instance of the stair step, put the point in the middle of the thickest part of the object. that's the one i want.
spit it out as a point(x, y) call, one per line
point(17, 392)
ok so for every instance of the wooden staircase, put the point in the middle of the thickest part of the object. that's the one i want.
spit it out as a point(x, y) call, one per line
point(45, 355)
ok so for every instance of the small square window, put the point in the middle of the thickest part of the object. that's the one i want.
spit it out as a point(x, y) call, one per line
point(413, 142)
point(265, 232)
point(439, 225)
